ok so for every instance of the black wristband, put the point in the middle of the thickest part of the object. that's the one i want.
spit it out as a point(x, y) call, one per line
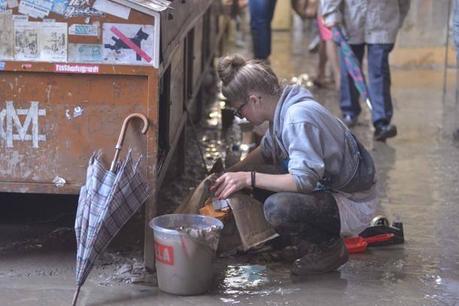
point(252, 176)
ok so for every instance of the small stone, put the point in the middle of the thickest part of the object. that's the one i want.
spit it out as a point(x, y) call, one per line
point(137, 279)
point(126, 268)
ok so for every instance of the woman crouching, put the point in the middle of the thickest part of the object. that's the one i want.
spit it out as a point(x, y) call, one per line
point(325, 187)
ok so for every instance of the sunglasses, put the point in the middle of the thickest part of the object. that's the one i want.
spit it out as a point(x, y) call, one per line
point(237, 112)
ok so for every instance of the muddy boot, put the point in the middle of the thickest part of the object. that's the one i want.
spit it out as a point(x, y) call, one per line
point(293, 252)
point(322, 258)
point(289, 253)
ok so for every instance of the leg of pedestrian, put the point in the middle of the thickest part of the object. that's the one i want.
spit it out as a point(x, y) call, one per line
point(319, 80)
point(261, 14)
point(332, 55)
point(349, 96)
point(379, 90)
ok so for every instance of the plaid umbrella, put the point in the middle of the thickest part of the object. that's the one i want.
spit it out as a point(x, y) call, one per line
point(107, 201)
point(352, 64)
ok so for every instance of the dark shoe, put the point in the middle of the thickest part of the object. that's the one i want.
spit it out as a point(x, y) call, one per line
point(382, 132)
point(319, 83)
point(322, 259)
point(291, 252)
point(349, 120)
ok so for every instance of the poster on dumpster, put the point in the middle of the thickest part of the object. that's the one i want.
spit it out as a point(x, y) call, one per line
point(53, 41)
point(26, 45)
point(6, 36)
point(129, 44)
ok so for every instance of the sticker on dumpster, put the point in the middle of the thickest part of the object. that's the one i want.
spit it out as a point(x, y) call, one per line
point(128, 43)
point(85, 53)
point(12, 3)
point(10, 123)
point(35, 8)
point(84, 30)
point(81, 8)
point(59, 6)
point(3, 5)
point(112, 8)
point(164, 253)
point(69, 68)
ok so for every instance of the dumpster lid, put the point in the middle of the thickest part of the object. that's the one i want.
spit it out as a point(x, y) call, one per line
point(149, 7)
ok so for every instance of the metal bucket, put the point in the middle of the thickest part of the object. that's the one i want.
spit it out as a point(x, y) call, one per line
point(184, 260)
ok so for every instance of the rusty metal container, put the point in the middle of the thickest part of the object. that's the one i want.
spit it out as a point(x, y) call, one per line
point(55, 113)
point(50, 123)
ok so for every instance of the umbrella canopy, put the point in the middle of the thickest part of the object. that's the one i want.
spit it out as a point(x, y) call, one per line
point(352, 65)
point(107, 201)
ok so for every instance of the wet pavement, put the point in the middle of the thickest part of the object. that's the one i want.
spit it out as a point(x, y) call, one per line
point(417, 181)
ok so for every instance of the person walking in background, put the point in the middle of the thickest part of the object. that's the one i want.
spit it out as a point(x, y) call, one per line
point(373, 24)
point(327, 52)
point(261, 15)
point(236, 10)
point(326, 47)
point(456, 27)
point(456, 43)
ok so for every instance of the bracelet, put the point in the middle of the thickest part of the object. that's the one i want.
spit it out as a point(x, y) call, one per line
point(252, 176)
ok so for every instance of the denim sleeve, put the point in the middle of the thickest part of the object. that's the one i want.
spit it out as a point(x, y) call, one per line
point(306, 155)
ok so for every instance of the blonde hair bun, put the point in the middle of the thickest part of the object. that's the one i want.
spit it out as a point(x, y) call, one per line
point(229, 66)
point(240, 77)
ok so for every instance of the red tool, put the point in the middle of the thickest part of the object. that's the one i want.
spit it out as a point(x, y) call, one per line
point(355, 244)
point(379, 233)
point(359, 244)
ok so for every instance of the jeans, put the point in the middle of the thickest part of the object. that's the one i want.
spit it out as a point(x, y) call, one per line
point(261, 15)
point(378, 83)
point(312, 217)
point(456, 43)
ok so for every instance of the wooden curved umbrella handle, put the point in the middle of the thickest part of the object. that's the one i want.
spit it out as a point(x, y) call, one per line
point(119, 144)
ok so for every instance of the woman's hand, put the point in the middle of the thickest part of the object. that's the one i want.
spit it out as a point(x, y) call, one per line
point(230, 182)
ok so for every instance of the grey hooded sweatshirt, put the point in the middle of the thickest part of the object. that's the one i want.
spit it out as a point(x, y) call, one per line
point(309, 142)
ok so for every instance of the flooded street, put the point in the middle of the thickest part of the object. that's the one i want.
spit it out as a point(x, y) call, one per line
point(418, 183)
